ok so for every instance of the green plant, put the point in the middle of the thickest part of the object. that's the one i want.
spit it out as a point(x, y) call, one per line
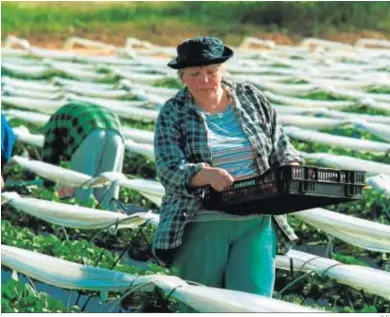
point(17, 297)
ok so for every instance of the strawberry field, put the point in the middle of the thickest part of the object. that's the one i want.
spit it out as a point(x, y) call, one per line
point(333, 100)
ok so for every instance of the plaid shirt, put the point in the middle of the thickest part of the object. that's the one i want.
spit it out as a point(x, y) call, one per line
point(70, 125)
point(181, 145)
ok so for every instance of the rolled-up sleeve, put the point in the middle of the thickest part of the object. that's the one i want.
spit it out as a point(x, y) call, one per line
point(173, 169)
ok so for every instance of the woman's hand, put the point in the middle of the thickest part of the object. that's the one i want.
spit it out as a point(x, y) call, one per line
point(216, 177)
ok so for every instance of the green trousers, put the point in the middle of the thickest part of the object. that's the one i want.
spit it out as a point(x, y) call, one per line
point(237, 255)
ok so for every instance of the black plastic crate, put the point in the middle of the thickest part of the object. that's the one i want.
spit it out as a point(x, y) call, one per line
point(287, 189)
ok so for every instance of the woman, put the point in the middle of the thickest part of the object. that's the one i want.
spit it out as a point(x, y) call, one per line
point(90, 137)
point(213, 132)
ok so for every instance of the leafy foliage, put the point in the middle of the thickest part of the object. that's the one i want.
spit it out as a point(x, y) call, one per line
point(17, 297)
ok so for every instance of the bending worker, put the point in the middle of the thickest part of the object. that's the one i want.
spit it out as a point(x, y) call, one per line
point(215, 131)
point(90, 137)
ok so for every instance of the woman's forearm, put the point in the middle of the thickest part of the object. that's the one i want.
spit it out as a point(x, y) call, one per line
point(200, 179)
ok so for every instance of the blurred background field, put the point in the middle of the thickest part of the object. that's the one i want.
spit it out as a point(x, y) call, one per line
point(167, 23)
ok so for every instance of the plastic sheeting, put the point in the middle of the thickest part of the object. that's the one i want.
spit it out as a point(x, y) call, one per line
point(381, 183)
point(308, 122)
point(35, 71)
point(355, 231)
point(73, 216)
point(146, 150)
point(75, 276)
point(28, 116)
point(88, 84)
point(93, 92)
point(42, 105)
point(380, 130)
point(36, 85)
point(126, 109)
point(138, 135)
point(370, 280)
point(337, 141)
point(352, 116)
point(150, 189)
point(9, 90)
point(301, 102)
point(25, 136)
point(52, 172)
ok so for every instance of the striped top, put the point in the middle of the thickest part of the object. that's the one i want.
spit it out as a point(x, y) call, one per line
point(230, 147)
point(230, 150)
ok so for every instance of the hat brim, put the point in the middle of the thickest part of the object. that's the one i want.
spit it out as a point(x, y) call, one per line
point(227, 53)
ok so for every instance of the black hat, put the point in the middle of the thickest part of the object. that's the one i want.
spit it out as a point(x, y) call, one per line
point(200, 51)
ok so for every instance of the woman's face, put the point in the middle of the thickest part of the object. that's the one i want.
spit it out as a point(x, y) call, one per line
point(203, 81)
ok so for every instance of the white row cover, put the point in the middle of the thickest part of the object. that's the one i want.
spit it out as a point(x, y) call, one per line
point(337, 141)
point(381, 183)
point(90, 91)
point(37, 85)
point(144, 149)
point(370, 280)
point(352, 116)
point(301, 102)
point(150, 189)
point(52, 172)
point(85, 84)
point(24, 136)
point(42, 105)
point(126, 109)
point(13, 91)
point(359, 232)
point(70, 275)
point(327, 87)
point(73, 216)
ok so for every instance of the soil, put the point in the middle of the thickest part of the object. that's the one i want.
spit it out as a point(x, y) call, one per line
point(171, 36)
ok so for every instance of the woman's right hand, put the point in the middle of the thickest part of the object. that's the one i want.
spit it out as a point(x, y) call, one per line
point(217, 178)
